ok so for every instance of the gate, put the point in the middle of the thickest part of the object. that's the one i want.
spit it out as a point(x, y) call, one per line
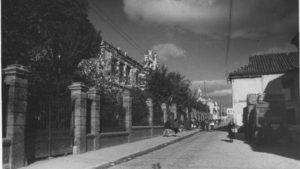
point(157, 114)
point(112, 113)
point(5, 89)
point(49, 128)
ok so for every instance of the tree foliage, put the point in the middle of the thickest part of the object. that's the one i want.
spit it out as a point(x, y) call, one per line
point(171, 87)
point(51, 37)
point(158, 85)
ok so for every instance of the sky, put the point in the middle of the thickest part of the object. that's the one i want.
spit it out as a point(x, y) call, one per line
point(190, 36)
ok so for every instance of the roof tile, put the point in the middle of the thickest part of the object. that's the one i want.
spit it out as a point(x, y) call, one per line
point(268, 64)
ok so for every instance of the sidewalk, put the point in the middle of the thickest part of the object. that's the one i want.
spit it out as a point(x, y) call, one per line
point(111, 155)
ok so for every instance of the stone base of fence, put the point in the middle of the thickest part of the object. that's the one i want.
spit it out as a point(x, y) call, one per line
point(115, 138)
point(6, 144)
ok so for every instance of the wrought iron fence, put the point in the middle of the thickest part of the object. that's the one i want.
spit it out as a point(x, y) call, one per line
point(49, 126)
point(157, 114)
point(5, 89)
point(139, 109)
point(112, 117)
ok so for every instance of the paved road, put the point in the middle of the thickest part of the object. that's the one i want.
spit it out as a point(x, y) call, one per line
point(212, 150)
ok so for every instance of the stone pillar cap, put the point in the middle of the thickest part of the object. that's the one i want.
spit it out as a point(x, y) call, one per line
point(78, 86)
point(149, 102)
point(163, 106)
point(16, 69)
point(93, 90)
point(128, 87)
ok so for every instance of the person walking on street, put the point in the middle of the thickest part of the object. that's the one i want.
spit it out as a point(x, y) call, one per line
point(176, 126)
point(231, 130)
point(212, 125)
point(207, 125)
point(203, 125)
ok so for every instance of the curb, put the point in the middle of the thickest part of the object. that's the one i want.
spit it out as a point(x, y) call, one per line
point(132, 156)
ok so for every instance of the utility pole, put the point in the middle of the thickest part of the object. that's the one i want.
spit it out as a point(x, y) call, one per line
point(204, 89)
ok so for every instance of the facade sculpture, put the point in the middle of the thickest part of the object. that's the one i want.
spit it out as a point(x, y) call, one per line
point(150, 60)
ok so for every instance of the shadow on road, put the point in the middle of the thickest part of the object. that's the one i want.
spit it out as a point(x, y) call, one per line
point(156, 166)
point(289, 151)
point(228, 141)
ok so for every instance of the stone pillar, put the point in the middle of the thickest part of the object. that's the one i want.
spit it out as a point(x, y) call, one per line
point(16, 79)
point(121, 74)
point(117, 72)
point(182, 117)
point(188, 118)
point(150, 111)
point(125, 71)
point(186, 111)
point(127, 104)
point(79, 97)
point(164, 109)
point(130, 76)
point(173, 109)
point(94, 95)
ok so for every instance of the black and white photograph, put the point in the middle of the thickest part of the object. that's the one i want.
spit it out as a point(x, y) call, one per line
point(150, 84)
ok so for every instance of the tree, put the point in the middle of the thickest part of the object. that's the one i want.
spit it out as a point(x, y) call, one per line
point(180, 88)
point(172, 87)
point(159, 85)
point(51, 37)
point(164, 86)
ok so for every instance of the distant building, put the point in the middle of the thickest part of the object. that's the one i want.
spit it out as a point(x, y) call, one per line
point(123, 69)
point(213, 108)
point(269, 74)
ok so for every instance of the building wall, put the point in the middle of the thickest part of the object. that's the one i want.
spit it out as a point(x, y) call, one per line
point(244, 86)
point(240, 89)
point(275, 88)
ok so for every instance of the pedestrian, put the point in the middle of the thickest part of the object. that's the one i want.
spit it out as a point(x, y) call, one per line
point(231, 130)
point(176, 126)
point(203, 125)
point(207, 125)
point(212, 125)
point(167, 129)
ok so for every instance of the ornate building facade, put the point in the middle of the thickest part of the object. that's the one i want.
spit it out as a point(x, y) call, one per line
point(120, 67)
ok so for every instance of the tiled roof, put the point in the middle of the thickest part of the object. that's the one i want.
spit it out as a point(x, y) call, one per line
point(268, 64)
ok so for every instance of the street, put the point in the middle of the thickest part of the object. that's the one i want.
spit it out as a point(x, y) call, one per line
point(213, 150)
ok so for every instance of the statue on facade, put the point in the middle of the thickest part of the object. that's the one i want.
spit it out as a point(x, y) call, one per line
point(150, 60)
point(199, 92)
point(199, 95)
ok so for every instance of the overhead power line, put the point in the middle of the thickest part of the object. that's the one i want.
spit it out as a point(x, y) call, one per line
point(228, 37)
point(123, 34)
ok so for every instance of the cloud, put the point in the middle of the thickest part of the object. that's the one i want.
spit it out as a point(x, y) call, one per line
point(210, 85)
point(250, 19)
point(167, 11)
point(193, 15)
point(168, 50)
point(223, 92)
point(285, 49)
point(218, 90)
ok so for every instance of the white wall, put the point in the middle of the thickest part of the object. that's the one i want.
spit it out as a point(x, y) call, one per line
point(242, 87)
point(267, 78)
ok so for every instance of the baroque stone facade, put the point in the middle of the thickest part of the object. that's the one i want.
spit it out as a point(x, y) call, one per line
point(120, 66)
